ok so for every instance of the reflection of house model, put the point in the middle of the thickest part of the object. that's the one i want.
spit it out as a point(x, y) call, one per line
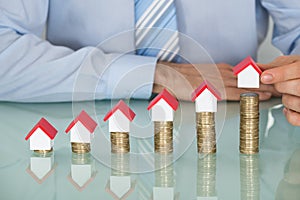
point(247, 73)
point(164, 179)
point(81, 128)
point(41, 137)
point(163, 107)
point(120, 185)
point(119, 126)
point(206, 97)
point(83, 171)
point(41, 167)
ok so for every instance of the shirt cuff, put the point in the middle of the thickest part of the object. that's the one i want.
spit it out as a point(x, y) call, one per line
point(129, 76)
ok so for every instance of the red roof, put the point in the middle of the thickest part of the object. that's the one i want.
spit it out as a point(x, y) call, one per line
point(45, 126)
point(167, 97)
point(86, 121)
point(122, 106)
point(244, 64)
point(202, 87)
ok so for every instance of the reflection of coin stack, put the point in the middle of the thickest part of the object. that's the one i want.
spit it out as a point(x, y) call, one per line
point(81, 159)
point(163, 137)
point(249, 123)
point(80, 148)
point(119, 142)
point(120, 164)
point(206, 176)
point(206, 136)
point(164, 176)
point(249, 172)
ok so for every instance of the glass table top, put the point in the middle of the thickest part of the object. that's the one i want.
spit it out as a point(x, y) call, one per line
point(274, 173)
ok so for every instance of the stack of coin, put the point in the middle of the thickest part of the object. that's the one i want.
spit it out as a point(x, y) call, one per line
point(249, 123)
point(120, 164)
point(206, 135)
point(249, 177)
point(80, 148)
point(164, 176)
point(206, 176)
point(119, 142)
point(43, 152)
point(163, 137)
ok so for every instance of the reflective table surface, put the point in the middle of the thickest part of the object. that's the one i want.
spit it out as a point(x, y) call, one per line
point(274, 173)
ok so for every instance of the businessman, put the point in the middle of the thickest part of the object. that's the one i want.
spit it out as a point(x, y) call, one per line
point(91, 48)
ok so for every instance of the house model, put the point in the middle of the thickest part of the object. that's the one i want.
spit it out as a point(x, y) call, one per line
point(163, 106)
point(81, 128)
point(206, 97)
point(41, 136)
point(120, 187)
point(120, 117)
point(247, 73)
point(41, 168)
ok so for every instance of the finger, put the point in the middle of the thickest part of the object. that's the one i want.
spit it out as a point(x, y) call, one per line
point(279, 61)
point(282, 73)
point(291, 102)
point(263, 96)
point(291, 87)
point(293, 117)
point(233, 94)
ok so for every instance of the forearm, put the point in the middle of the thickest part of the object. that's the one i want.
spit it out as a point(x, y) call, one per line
point(286, 34)
point(34, 70)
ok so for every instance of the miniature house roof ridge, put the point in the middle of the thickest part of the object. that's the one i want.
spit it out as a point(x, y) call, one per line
point(122, 106)
point(165, 95)
point(244, 64)
point(86, 121)
point(46, 127)
point(206, 85)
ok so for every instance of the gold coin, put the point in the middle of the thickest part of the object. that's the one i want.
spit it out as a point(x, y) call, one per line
point(80, 148)
point(206, 136)
point(249, 123)
point(120, 142)
point(163, 137)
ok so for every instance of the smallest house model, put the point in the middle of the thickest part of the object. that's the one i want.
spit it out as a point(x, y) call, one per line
point(206, 97)
point(41, 137)
point(248, 73)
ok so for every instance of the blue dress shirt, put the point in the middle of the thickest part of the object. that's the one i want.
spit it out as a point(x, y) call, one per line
point(89, 48)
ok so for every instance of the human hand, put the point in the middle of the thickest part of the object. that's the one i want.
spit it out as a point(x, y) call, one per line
point(284, 73)
point(183, 79)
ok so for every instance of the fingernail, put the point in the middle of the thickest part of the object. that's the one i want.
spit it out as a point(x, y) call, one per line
point(267, 78)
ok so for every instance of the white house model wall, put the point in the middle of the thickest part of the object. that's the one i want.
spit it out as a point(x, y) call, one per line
point(118, 122)
point(80, 134)
point(248, 78)
point(162, 111)
point(206, 102)
point(39, 140)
